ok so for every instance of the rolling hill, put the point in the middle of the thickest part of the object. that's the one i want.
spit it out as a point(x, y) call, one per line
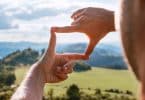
point(104, 55)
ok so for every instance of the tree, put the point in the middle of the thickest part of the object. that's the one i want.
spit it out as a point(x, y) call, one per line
point(10, 79)
point(73, 92)
point(81, 66)
point(25, 57)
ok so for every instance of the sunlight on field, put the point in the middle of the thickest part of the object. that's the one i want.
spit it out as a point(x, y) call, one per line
point(96, 78)
point(20, 73)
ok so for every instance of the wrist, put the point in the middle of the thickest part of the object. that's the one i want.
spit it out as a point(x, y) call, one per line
point(42, 71)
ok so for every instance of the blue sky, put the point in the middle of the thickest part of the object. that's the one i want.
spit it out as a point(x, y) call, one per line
point(30, 20)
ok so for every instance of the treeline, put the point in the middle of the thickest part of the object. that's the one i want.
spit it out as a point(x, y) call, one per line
point(7, 76)
point(81, 66)
point(73, 92)
point(24, 57)
point(7, 79)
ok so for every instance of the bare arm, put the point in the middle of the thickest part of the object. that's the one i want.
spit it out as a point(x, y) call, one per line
point(132, 28)
point(51, 68)
point(31, 87)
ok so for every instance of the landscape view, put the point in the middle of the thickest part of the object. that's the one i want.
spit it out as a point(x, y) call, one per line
point(24, 36)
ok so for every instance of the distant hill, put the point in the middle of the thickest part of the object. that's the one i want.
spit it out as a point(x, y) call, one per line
point(9, 47)
point(29, 57)
point(104, 55)
point(24, 57)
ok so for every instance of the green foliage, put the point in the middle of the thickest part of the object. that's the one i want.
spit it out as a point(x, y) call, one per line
point(117, 91)
point(27, 56)
point(73, 92)
point(81, 66)
point(10, 79)
point(6, 92)
point(97, 91)
point(7, 77)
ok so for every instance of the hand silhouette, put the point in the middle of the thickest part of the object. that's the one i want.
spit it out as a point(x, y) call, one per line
point(57, 66)
point(94, 22)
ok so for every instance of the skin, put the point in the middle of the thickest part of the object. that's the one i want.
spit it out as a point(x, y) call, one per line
point(132, 22)
point(93, 22)
point(51, 68)
point(97, 22)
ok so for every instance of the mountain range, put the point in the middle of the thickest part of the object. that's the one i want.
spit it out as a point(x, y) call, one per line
point(104, 55)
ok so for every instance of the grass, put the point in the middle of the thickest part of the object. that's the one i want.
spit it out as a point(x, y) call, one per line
point(20, 72)
point(96, 78)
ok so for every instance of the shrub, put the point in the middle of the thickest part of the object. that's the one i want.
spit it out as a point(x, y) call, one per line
point(73, 92)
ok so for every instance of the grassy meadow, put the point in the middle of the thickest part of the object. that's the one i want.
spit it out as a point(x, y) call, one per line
point(100, 78)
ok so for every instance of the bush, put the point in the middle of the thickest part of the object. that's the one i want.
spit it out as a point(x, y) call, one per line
point(81, 66)
point(5, 95)
point(7, 77)
point(73, 92)
point(129, 92)
point(25, 57)
point(10, 79)
point(97, 91)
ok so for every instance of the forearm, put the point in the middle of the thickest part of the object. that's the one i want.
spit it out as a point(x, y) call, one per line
point(32, 86)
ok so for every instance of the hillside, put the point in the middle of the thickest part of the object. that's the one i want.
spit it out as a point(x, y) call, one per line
point(10, 47)
point(24, 57)
point(104, 55)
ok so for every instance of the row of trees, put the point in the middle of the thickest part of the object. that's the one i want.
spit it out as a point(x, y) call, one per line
point(7, 79)
point(73, 92)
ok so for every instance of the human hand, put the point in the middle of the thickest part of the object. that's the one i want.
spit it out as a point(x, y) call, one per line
point(56, 67)
point(94, 22)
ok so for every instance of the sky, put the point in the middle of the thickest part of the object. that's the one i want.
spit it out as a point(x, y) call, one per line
point(30, 20)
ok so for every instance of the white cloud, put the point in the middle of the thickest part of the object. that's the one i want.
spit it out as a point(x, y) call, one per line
point(112, 38)
point(30, 20)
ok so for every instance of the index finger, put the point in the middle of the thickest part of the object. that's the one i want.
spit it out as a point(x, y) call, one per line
point(52, 42)
point(66, 29)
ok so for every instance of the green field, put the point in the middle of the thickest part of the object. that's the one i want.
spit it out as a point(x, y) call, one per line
point(96, 78)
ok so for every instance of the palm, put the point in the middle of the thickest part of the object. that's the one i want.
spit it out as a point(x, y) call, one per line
point(51, 74)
